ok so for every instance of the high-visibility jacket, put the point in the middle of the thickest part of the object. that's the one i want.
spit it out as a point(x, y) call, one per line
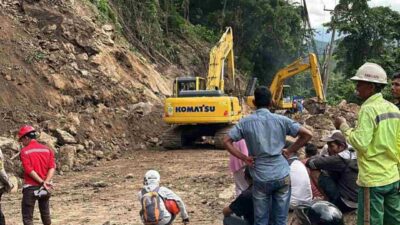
point(376, 139)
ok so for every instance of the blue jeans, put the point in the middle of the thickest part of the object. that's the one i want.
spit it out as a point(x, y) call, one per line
point(271, 201)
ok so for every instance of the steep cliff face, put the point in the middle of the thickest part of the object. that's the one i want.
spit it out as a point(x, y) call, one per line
point(60, 68)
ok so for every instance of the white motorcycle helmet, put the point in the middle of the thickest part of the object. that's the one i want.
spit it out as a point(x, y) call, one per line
point(151, 177)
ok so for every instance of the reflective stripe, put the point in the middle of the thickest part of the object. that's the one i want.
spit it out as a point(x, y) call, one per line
point(36, 150)
point(385, 116)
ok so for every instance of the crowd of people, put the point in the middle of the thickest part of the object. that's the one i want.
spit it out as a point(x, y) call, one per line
point(357, 170)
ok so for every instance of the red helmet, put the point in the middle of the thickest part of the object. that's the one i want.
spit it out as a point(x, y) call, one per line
point(24, 130)
point(171, 206)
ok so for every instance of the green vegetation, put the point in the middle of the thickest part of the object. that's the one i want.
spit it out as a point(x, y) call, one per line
point(105, 9)
point(34, 56)
point(268, 35)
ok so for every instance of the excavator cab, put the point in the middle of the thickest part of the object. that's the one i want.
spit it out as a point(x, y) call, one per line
point(286, 101)
point(185, 84)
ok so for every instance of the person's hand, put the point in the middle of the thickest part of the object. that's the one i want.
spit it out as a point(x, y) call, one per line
point(339, 121)
point(249, 160)
point(48, 186)
point(286, 153)
point(185, 221)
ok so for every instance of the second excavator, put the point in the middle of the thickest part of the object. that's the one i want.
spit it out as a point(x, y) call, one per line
point(277, 87)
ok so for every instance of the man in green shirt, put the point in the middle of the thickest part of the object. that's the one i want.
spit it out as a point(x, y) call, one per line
point(376, 138)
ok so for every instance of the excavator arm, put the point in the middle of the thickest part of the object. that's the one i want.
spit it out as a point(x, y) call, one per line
point(294, 68)
point(221, 52)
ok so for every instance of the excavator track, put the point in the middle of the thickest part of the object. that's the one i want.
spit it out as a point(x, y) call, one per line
point(219, 136)
point(172, 138)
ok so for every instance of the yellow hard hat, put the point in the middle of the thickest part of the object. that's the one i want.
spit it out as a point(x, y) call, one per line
point(371, 72)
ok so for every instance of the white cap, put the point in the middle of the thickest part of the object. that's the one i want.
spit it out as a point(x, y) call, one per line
point(371, 72)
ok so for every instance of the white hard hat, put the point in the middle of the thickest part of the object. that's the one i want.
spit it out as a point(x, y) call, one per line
point(152, 176)
point(371, 72)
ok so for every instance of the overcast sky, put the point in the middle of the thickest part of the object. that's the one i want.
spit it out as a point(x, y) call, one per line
point(318, 16)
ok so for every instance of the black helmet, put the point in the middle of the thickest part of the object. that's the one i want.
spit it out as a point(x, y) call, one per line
point(319, 213)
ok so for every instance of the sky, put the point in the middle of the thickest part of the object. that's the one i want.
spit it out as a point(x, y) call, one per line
point(318, 16)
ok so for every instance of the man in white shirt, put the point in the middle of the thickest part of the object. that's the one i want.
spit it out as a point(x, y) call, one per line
point(300, 183)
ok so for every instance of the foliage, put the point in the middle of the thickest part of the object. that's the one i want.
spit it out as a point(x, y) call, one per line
point(268, 34)
point(105, 9)
point(34, 56)
point(370, 34)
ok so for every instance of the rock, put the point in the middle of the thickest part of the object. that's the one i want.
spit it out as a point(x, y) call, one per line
point(8, 143)
point(79, 148)
point(64, 137)
point(107, 27)
point(83, 57)
point(100, 184)
point(84, 72)
point(48, 140)
point(69, 48)
point(58, 81)
point(143, 108)
point(54, 47)
point(67, 100)
point(72, 129)
point(74, 118)
point(67, 156)
point(65, 168)
point(8, 77)
point(99, 154)
point(154, 140)
point(50, 29)
point(108, 42)
point(129, 176)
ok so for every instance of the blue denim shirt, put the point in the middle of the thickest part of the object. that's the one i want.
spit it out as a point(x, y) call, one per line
point(265, 135)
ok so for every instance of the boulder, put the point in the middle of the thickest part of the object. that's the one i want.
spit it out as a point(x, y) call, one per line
point(64, 137)
point(8, 143)
point(143, 108)
point(67, 157)
point(48, 140)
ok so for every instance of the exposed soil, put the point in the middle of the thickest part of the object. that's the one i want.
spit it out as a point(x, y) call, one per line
point(107, 193)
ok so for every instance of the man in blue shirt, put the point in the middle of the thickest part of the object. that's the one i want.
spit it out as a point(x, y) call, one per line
point(265, 135)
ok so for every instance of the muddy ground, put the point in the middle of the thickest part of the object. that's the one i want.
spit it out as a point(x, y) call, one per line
point(106, 194)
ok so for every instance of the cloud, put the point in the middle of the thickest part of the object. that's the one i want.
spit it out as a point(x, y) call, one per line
point(318, 16)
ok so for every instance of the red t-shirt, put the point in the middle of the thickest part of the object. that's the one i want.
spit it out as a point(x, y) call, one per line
point(36, 157)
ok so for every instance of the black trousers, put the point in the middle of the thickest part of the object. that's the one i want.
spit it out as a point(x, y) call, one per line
point(28, 206)
point(2, 219)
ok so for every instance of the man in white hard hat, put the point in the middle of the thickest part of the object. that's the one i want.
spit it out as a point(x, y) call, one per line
point(376, 138)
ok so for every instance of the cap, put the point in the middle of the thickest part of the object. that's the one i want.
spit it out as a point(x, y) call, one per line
point(337, 136)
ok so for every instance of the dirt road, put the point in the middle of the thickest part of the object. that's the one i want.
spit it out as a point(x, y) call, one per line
point(107, 193)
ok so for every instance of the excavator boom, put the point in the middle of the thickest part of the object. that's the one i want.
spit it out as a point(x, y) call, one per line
point(222, 51)
point(294, 68)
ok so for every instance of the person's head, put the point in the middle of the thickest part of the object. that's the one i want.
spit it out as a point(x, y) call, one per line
point(396, 85)
point(247, 176)
point(26, 134)
point(311, 150)
point(336, 143)
point(262, 97)
point(151, 178)
point(371, 78)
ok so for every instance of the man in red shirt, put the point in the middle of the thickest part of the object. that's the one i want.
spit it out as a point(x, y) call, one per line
point(39, 167)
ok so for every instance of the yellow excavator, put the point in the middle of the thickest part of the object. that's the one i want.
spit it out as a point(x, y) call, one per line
point(278, 89)
point(201, 107)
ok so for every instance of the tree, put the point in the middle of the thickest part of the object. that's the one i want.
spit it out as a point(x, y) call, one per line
point(369, 34)
point(268, 33)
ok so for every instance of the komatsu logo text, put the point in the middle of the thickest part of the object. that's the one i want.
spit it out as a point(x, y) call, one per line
point(203, 108)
